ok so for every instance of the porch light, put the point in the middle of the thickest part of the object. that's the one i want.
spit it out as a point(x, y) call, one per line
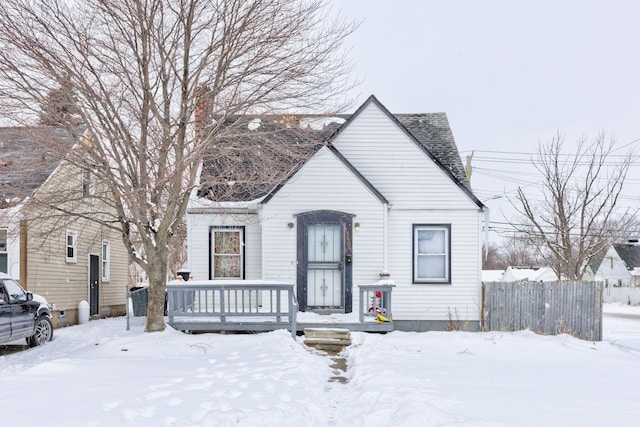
point(290, 225)
point(356, 226)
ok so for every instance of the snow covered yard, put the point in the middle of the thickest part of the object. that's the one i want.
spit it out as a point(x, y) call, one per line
point(99, 374)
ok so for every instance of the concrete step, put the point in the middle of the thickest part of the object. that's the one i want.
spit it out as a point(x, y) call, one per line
point(329, 340)
point(327, 333)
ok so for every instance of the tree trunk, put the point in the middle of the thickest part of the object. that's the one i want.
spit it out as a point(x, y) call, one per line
point(157, 290)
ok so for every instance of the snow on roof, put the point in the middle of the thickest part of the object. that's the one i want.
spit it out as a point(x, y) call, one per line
point(529, 274)
point(492, 275)
point(320, 122)
point(254, 124)
point(196, 203)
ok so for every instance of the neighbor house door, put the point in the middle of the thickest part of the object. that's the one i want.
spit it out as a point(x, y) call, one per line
point(94, 285)
point(324, 261)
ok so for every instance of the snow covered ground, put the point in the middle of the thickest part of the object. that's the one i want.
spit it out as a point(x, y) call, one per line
point(99, 374)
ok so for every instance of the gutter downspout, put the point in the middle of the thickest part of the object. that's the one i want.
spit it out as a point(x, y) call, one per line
point(385, 236)
point(486, 231)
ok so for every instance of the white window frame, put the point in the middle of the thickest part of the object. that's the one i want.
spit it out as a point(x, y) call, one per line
point(74, 246)
point(446, 228)
point(212, 257)
point(5, 252)
point(106, 260)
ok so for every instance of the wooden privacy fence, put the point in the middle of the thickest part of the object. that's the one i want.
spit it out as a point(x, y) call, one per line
point(550, 308)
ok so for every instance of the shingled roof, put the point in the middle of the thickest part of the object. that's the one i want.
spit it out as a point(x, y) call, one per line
point(629, 253)
point(28, 155)
point(284, 143)
point(258, 153)
point(432, 130)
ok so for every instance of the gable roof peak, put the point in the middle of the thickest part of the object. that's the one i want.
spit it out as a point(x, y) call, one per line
point(297, 144)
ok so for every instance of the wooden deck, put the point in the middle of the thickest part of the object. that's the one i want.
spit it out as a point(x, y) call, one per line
point(258, 306)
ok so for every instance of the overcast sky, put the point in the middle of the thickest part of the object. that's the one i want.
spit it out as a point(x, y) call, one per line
point(509, 74)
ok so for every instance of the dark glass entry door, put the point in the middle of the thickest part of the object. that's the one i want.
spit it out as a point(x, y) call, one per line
point(324, 261)
point(94, 285)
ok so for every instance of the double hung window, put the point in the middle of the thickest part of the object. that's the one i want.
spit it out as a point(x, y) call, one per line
point(71, 246)
point(432, 253)
point(106, 260)
point(227, 253)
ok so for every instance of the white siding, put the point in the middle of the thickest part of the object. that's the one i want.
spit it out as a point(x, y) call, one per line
point(396, 166)
point(419, 193)
point(324, 183)
point(198, 226)
point(436, 301)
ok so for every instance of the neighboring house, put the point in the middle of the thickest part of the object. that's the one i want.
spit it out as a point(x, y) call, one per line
point(65, 259)
point(529, 274)
point(374, 197)
point(492, 275)
point(618, 267)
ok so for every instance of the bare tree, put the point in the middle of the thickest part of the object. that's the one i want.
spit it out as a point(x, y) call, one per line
point(518, 252)
point(136, 69)
point(59, 108)
point(493, 258)
point(579, 212)
point(512, 251)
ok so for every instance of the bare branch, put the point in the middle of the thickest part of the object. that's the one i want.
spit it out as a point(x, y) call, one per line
point(579, 215)
point(137, 69)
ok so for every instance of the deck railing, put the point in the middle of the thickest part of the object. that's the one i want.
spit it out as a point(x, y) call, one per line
point(232, 305)
point(375, 299)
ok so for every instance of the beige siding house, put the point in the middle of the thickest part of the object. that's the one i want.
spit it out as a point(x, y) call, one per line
point(50, 251)
point(377, 197)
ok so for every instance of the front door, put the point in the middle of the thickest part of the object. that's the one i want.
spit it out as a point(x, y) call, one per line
point(324, 266)
point(324, 261)
point(94, 285)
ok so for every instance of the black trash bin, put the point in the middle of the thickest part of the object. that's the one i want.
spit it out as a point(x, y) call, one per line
point(140, 298)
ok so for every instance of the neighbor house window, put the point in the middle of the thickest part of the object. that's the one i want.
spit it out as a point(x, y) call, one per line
point(106, 260)
point(227, 253)
point(72, 246)
point(432, 253)
point(4, 256)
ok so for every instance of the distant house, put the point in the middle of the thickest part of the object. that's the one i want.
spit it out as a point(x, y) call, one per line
point(618, 267)
point(529, 274)
point(351, 200)
point(52, 253)
point(492, 275)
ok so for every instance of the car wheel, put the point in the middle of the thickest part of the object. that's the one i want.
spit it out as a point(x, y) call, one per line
point(43, 333)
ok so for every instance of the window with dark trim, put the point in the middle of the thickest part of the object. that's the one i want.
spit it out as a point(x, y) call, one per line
point(227, 253)
point(432, 253)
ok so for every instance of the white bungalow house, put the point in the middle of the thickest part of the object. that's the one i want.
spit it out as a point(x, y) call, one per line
point(617, 267)
point(367, 197)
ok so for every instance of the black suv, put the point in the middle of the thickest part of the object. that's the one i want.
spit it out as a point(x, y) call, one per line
point(22, 315)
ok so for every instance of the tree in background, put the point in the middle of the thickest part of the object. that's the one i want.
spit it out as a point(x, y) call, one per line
point(59, 108)
point(578, 215)
point(136, 70)
point(492, 257)
point(513, 251)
